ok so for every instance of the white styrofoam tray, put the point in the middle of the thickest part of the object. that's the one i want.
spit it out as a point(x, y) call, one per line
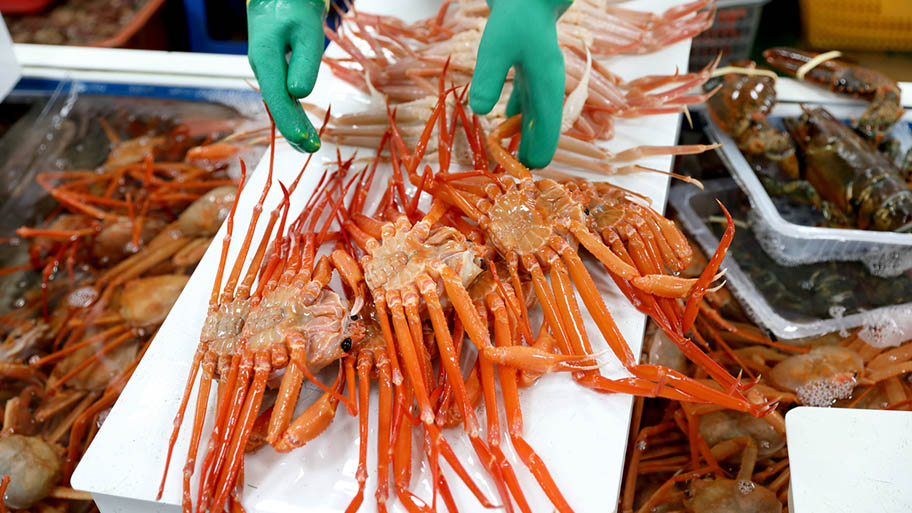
point(846, 460)
point(9, 67)
point(581, 435)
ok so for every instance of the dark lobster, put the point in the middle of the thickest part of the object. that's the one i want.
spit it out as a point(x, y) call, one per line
point(848, 171)
point(842, 77)
point(740, 107)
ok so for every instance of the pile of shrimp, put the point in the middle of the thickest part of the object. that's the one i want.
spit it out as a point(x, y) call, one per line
point(479, 267)
point(396, 64)
point(108, 263)
point(707, 458)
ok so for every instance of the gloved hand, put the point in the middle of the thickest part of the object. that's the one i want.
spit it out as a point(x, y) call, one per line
point(522, 34)
point(274, 27)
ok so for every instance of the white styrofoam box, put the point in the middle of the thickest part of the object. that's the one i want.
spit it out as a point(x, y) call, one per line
point(846, 460)
point(581, 435)
point(9, 67)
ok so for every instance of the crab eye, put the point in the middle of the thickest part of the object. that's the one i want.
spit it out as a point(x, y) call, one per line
point(354, 317)
point(347, 344)
point(586, 210)
point(483, 265)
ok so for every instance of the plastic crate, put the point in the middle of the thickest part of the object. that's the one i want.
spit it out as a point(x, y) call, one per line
point(732, 33)
point(858, 24)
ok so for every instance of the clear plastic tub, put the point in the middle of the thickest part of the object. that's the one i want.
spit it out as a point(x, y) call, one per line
point(789, 243)
point(800, 301)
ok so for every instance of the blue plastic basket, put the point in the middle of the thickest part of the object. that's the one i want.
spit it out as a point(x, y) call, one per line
point(201, 41)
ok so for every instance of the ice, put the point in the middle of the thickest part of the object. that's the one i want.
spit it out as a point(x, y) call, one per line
point(889, 263)
point(887, 327)
point(825, 392)
point(82, 297)
point(745, 487)
point(837, 313)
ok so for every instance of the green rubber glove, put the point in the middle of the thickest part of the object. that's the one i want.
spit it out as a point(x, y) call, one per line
point(274, 27)
point(522, 34)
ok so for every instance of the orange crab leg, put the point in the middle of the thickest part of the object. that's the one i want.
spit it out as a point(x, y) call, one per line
point(699, 289)
point(199, 416)
point(228, 292)
point(365, 362)
point(507, 129)
point(315, 419)
point(410, 357)
point(567, 307)
point(449, 358)
point(244, 290)
point(385, 406)
point(383, 318)
point(594, 303)
point(349, 362)
point(615, 264)
point(663, 285)
point(647, 263)
point(606, 324)
point(225, 385)
point(547, 302)
point(299, 358)
point(234, 402)
point(368, 225)
point(544, 342)
point(410, 303)
point(532, 359)
point(510, 392)
point(289, 389)
point(90, 360)
point(4, 482)
point(179, 418)
point(235, 461)
point(402, 466)
point(25, 232)
point(74, 347)
point(450, 457)
point(450, 363)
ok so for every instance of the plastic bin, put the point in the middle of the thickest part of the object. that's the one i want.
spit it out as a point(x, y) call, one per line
point(794, 302)
point(883, 253)
point(198, 32)
point(732, 33)
point(858, 24)
point(137, 22)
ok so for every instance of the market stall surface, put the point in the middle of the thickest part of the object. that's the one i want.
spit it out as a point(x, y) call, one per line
point(580, 434)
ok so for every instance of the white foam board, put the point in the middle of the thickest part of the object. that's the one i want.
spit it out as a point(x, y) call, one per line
point(581, 435)
point(846, 460)
point(9, 67)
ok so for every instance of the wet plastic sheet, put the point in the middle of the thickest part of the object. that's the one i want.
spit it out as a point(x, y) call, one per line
point(581, 435)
